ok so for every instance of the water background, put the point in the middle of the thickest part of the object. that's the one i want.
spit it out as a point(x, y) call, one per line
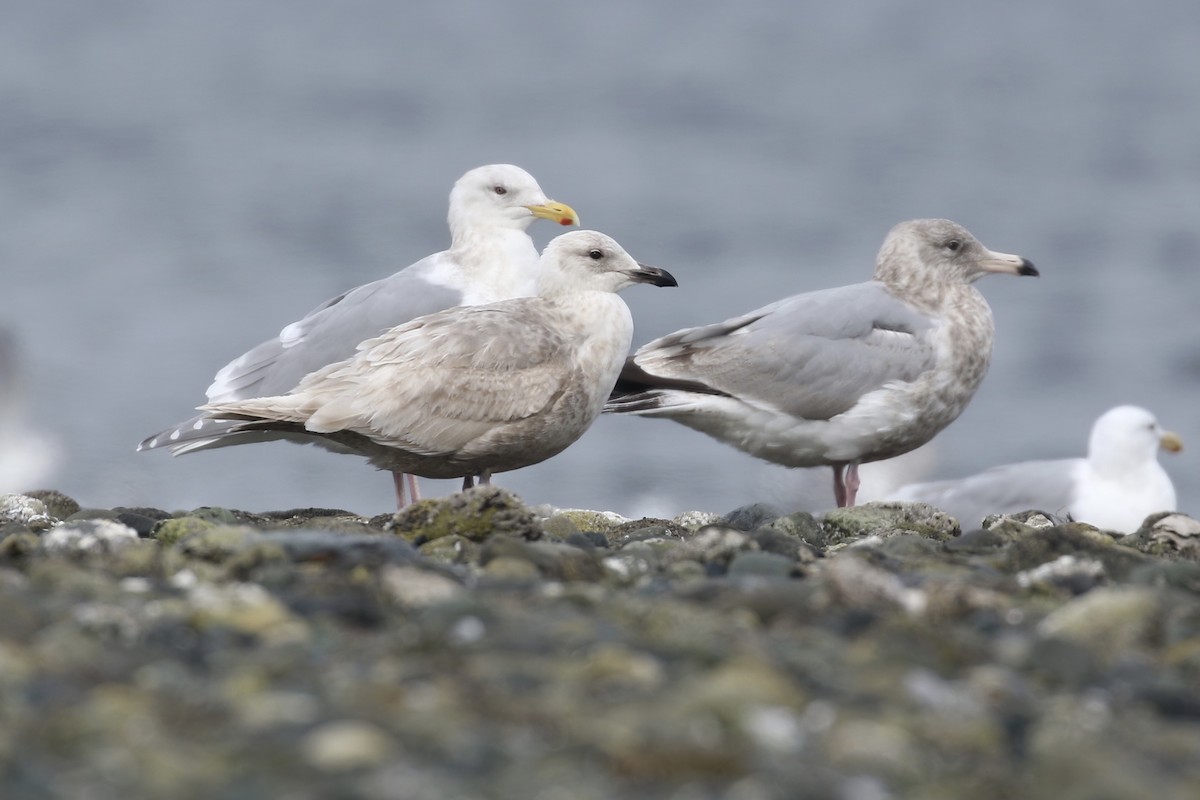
point(180, 180)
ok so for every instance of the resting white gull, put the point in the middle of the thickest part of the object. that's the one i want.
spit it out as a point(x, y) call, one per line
point(1116, 487)
point(472, 390)
point(841, 376)
point(491, 258)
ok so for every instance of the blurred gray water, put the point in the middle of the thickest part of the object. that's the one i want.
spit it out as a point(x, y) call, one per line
point(178, 181)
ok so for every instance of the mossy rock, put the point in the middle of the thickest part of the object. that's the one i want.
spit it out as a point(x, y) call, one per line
point(584, 521)
point(221, 516)
point(884, 519)
point(170, 531)
point(452, 549)
point(474, 514)
point(217, 543)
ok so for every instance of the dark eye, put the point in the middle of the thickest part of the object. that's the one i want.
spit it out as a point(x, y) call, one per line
point(596, 255)
point(499, 190)
point(953, 245)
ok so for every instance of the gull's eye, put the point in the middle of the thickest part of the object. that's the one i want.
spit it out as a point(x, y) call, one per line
point(954, 245)
point(596, 255)
point(499, 190)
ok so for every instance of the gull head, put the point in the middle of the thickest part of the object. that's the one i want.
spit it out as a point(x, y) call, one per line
point(592, 261)
point(502, 195)
point(1128, 436)
point(941, 251)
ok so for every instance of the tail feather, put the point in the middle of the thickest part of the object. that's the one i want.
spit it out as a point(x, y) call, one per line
point(204, 432)
point(640, 392)
point(634, 402)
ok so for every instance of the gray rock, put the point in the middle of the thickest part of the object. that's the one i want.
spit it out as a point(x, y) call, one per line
point(802, 525)
point(1167, 533)
point(342, 550)
point(791, 546)
point(58, 505)
point(748, 518)
point(1070, 573)
point(715, 544)
point(553, 560)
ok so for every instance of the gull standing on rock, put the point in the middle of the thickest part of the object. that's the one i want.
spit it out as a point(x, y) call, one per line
point(471, 390)
point(841, 376)
point(1116, 487)
point(491, 258)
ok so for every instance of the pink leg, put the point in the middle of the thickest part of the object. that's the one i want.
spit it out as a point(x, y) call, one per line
point(839, 487)
point(398, 482)
point(414, 491)
point(852, 483)
point(485, 478)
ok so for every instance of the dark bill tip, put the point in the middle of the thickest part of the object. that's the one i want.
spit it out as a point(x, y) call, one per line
point(1027, 268)
point(654, 275)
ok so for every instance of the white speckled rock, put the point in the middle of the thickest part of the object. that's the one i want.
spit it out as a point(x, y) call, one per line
point(25, 510)
point(102, 535)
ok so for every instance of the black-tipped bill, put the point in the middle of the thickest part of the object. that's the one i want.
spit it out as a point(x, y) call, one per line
point(1006, 263)
point(656, 276)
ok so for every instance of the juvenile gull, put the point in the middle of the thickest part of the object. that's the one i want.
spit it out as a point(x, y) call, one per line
point(491, 258)
point(839, 376)
point(471, 390)
point(1115, 487)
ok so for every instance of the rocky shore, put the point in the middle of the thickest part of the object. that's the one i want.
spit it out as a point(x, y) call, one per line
point(475, 648)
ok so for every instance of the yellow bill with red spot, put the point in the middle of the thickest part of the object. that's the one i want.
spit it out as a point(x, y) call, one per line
point(561, 213)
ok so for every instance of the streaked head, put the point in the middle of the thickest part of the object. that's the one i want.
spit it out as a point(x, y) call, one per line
point(943, 251)
point(502, 195)
point(591, 260)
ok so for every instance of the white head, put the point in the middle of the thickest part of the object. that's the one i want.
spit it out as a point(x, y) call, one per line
point(588, 260)
point(1127, 437)
point(941, 251)
point(501, 195)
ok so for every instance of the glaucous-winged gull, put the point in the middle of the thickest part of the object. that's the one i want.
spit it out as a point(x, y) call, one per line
point(840, 376)
point(1116, 487)
point(471, 390)
point(491, 258)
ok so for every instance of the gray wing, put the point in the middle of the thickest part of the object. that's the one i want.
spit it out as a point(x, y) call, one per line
point(332, 331)
point(1043, 485)
point(812, 355)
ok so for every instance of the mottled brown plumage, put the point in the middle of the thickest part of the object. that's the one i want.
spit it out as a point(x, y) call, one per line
point(471, 390)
